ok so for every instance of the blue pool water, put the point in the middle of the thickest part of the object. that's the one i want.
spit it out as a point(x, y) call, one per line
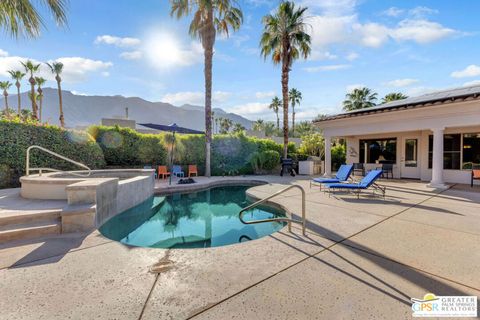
point(207, 218)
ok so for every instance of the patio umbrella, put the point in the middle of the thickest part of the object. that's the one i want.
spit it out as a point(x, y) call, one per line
point(171, 128)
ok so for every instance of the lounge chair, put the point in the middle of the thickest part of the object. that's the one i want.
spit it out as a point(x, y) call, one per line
point(163, 172)
point(367, 182)
point(192, 169)
point(177, 171)
point(343, 174)
point(387, 170)
point(359, 167)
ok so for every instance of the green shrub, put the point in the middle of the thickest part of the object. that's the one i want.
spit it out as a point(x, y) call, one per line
point(339, 156)
point(16, 137)
point(271, 159)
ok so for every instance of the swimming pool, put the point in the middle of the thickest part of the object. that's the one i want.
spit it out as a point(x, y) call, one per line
point(207, 218)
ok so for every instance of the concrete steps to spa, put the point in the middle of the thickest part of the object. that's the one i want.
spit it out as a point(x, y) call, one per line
point(30, 225)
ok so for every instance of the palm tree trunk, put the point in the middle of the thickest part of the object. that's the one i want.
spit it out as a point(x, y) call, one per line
point(285, 70)
point(34, 104)
point(18, 98)
point(40, 109)
point(6, 104)
point(208, 41)
point(278, 121)
point(60, 103)
point(293, 119)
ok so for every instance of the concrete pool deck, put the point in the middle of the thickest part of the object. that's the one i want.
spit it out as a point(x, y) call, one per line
point(361, 259)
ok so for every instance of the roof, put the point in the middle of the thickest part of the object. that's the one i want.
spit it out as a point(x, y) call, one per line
point(426, 100)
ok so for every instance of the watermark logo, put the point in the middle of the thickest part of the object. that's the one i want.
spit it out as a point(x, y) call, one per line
point(444, 306)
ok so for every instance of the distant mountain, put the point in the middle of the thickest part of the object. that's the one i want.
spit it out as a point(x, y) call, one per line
point(83, 110)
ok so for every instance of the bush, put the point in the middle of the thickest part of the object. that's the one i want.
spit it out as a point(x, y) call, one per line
point(16, 137)
point(264, 161)
point(339, 156)
point(312, 145)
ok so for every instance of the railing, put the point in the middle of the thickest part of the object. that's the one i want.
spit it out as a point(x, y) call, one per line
point(40, 170)
point(259, 202)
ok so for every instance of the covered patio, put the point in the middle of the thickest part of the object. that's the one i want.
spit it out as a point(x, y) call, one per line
point(433, 138)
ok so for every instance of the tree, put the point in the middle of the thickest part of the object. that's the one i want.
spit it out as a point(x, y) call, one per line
point(359, 98)
point(312, 145)
point(57, 69)
point(275, 106)
point(285, 39)
point(393, 96)
point(295, 97)
point(40, 82)
point(17, 76)
point(320, 117)
point(20, 17)
point(270, 129)
point(208, 18)
point(32, 68)
point(225, 125)
point(216, 125)
point(237, 128)
point(258, 125)
point(5, 85)
point(304, 128)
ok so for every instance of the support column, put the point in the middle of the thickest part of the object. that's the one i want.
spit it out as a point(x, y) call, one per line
point(328, 156)
point(437, 159)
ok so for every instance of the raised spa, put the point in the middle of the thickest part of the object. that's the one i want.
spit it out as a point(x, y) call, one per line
point(207, 218)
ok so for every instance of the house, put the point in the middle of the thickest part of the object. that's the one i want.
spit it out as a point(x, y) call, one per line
point(434, 137)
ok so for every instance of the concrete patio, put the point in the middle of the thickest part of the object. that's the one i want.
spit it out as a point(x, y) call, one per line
point(361, 259)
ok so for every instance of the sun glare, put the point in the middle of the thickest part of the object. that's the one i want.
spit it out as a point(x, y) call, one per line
point(162, 50)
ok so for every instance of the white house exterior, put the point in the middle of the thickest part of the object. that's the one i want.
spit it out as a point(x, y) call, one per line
point(434, 137)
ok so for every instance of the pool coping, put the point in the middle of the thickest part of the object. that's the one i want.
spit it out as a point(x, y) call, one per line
point(200, 186)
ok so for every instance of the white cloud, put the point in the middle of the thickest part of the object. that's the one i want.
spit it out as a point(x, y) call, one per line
point(252, 108)
point(470, 71)
point(117, 41)
point(327, 68)
point(322, 55)
point(371, 34)
point(420, 11)
point(393, 12)
point(264, 94)
point(3, 53)
point(131, 55)
point(330, 7)
point(472, 83)
point(352, 87)
point(76, 69)
point(420, 31)
point(194, 97)
point(352, 56)
point(327, 30)
point(399, 83)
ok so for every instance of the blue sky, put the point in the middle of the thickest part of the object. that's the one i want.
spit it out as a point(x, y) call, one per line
point(134, 48)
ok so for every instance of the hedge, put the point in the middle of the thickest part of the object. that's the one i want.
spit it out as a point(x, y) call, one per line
point(16, 137)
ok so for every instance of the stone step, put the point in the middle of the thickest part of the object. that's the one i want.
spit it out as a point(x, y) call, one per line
point(29, 230)
point(26, 217)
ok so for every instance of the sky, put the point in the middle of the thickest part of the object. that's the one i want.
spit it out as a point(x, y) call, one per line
point(134, 48)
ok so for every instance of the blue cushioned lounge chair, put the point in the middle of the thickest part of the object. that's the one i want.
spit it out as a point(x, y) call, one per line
point(343, 174)
point(367, 182)
point(177, 171)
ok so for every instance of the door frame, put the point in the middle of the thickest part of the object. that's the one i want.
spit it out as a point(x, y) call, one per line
point(410, 172)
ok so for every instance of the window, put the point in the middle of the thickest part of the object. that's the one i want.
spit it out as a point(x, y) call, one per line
point(451, 151)
point(411, 152)
point(471, 150)
point(381, 150)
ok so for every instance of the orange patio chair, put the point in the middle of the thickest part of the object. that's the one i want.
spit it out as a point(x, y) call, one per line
point(475, 175)
point(163, 172)
point(192, 169)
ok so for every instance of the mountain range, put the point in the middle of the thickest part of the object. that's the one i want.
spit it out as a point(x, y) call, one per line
point(84, 110)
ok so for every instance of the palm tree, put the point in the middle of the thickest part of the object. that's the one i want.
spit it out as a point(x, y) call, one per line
point(32, 68)
point(295, 97)
point(275, 106)
point(359, 98)
point(5, 85)
point(215, 130)
point(237, 128)
point(40, 82)
point(269, 129)
point(17, 76)
point(393, 96)
point(57, 68)
point(258, 125)
point(209, 17)
point(225, 125)
point(20, 17)
point(285, 39)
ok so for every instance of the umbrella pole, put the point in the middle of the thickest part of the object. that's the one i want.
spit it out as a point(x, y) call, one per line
point(171, 159)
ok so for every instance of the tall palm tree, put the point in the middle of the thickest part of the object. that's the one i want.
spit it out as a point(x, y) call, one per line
point(295, 97)
point(40, 82)
point(275, 107)
point(209, 17)
point(17, 76)
point(5, 85)
point(237, 128)
point(225, 125)
point(359, 98)
point(20, 17)
point(32, 68)
point(393, 96)
point(285, 39)
point(258, 125)
point(57, 68)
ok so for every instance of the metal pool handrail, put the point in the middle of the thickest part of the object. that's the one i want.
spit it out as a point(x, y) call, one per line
point(28, 169)
point(259, 202)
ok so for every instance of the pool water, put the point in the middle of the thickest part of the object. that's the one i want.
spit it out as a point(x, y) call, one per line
point(201, 219)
